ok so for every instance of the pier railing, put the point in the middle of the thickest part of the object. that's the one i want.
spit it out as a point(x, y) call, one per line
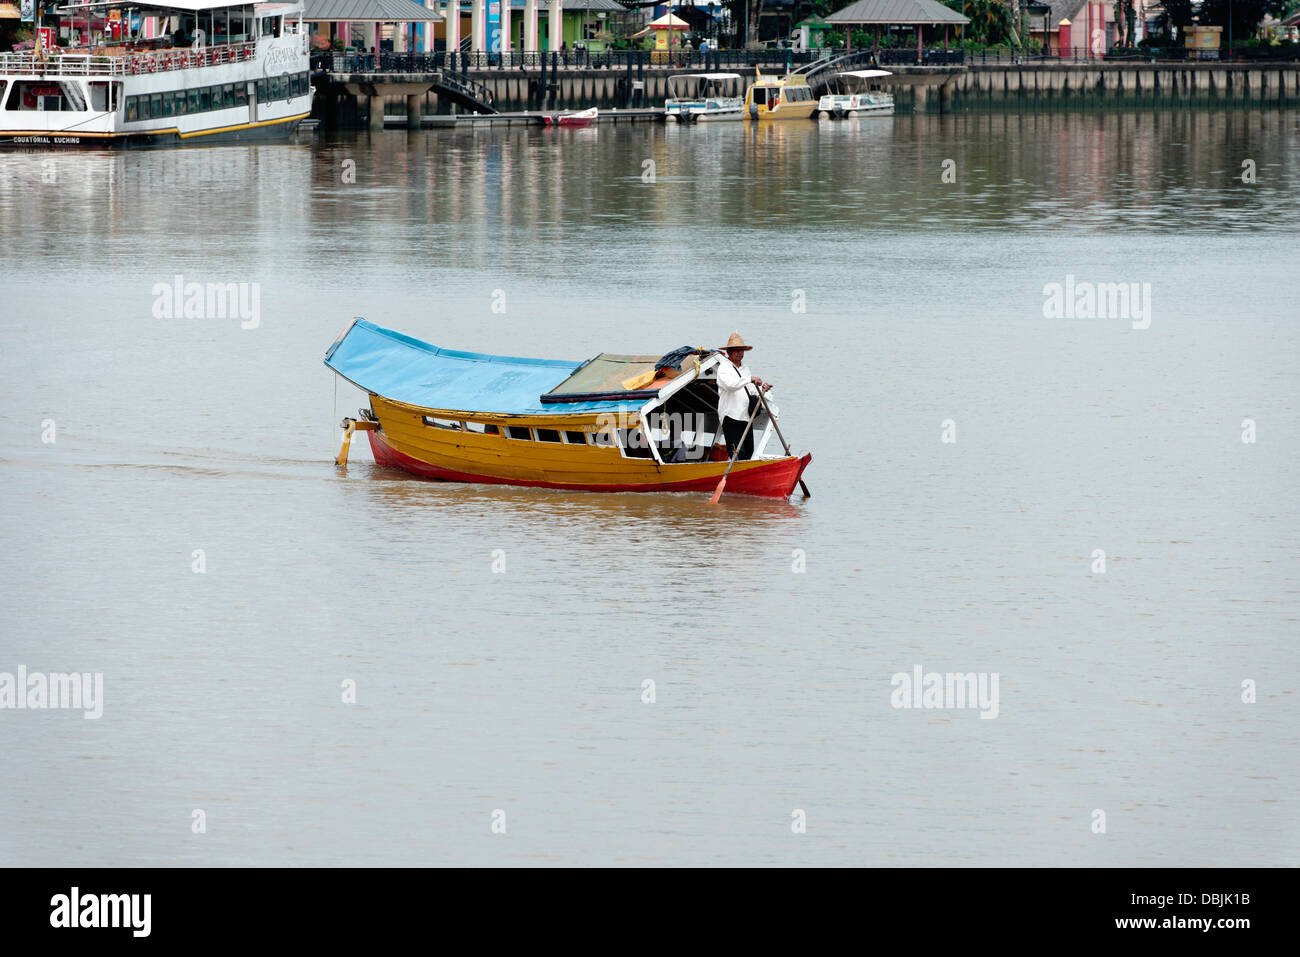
point(456, 62)
point(1140, 55)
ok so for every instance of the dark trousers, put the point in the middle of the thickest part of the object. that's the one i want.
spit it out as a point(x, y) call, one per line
point(732, 429)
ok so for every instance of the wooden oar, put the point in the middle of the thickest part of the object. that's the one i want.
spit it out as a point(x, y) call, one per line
point(717, 492)
point(784, 443)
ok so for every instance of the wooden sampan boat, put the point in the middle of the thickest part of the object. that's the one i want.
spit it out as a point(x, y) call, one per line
point(614, 423)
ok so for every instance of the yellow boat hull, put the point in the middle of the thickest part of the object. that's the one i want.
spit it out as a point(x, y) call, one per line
point(406, 439)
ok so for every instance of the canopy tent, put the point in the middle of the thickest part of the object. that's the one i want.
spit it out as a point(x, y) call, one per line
point(405, 369)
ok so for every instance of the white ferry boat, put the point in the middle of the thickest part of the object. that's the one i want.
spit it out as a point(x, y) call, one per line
point(704, 97)
point(160, 74)
point(857, 91)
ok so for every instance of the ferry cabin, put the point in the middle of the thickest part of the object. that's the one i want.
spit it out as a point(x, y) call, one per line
point(161, 74)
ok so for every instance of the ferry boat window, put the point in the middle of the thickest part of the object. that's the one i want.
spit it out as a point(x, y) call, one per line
point(205, 98)
point(228, 95)
point(101, 96)
point(547, 435)
point(45, 95)
point(132, 108)
point(241, 94)
point(262, 89)
point(192, 101)
point(155, 106)
point(515, 432)
point(576, 438)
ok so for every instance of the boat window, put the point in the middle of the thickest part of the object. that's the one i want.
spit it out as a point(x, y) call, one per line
point(45, 95)
point(517, 432)
point(576, 438)
point(481, 428)
point(442, 423)
point(547, 435)
point(634, 444)
point(602, 439)
point(155, 106)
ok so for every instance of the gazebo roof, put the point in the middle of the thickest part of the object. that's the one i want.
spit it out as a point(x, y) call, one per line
point(668, 22)
point(925, 12)
point(368, 11)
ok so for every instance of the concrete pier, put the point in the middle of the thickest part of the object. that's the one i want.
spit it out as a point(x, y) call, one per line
point(1038, 86)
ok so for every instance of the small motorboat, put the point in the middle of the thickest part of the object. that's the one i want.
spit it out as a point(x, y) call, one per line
point(615, 423)
point(780, 98)
point(570, 118)
point(704, 97)
point(857, 92)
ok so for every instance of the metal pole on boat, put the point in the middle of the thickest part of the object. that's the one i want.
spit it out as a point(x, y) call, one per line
point(717, 492)
point(786, 445)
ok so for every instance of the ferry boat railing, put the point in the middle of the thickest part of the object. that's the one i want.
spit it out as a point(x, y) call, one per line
point(126, 63)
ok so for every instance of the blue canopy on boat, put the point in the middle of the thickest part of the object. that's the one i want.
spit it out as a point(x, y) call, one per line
point(404, 369)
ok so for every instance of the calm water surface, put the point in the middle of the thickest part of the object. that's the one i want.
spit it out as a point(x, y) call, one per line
point(522, 691)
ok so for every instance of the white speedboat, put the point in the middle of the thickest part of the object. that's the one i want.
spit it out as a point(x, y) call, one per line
point(160, 74)
point(704, 97)
point(857, 92)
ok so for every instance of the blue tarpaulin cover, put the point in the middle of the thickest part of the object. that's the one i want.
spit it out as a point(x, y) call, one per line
point(404, 369)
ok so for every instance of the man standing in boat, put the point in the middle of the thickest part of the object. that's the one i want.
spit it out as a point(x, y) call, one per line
point(737, 396)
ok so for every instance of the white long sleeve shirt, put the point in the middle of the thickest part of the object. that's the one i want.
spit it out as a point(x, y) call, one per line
point(735, 386)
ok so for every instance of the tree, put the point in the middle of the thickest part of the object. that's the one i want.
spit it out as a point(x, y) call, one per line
point(1246, 15)
point(989, 19)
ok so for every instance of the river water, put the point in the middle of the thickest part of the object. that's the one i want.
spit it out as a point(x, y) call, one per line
point(891, 308)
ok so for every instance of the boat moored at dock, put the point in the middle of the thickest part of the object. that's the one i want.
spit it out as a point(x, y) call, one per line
point(857, 92)
point(177, 72)
point(579, 118)
point(704, 97)
point(615, 423)
point(780, 98)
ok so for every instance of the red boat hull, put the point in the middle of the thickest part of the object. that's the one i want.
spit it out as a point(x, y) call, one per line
point(775, 480)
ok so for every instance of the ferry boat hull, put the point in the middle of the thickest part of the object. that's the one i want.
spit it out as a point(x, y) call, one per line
point(265, 131)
